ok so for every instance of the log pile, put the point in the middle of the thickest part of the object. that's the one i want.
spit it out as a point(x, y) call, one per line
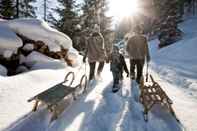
point(13, 62)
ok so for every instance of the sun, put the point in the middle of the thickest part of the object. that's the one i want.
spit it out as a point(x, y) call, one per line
point(123, 8)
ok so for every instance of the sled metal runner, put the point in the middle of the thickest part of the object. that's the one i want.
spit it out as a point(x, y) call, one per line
point(53, 96)
point(154, 94)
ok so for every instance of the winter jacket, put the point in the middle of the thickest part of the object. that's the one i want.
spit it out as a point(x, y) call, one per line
point(118, 64)
point(96, 48)
point(137, 47)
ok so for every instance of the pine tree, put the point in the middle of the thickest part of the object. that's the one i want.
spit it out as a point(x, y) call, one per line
point(67, 20)
point(168, 17)
point(122, 28)
point(91, 13)
point(25, 8)
point(94, 12)
point(45, 10)
point(7, 8)
point(105, 26)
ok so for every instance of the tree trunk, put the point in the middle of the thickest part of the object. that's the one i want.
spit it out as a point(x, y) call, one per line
point(45, 9)
point(17, 8)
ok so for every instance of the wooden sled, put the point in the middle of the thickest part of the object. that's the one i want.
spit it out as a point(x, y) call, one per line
point(154, 94)
point(53, 96)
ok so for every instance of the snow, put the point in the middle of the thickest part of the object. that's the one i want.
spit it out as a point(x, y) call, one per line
point(39, 30)
point(36, 60)
point(178, 63)
point(3, 70)
point(10, 42)
point(74, 56)
point(21, 69)
point(28, 47)
point(100, 109)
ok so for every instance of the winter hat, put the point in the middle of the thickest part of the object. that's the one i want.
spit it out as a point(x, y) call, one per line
point(116, 49)
point(138, 29)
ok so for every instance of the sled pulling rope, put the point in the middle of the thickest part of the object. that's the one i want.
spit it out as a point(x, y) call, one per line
point(53, 96)
point(154, 94)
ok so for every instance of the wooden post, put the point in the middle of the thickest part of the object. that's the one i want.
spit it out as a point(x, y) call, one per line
point(17, 8)
point(45, 9)
point(193, 7)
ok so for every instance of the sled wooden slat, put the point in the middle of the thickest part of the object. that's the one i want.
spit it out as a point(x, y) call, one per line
point(53, 96)
point(154, 94)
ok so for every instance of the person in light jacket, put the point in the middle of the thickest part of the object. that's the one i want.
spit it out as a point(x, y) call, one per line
point(95, 51)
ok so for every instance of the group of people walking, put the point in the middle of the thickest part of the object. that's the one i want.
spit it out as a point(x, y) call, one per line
point(136, 47)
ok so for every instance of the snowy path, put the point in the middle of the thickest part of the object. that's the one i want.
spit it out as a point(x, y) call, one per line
point(98, 110)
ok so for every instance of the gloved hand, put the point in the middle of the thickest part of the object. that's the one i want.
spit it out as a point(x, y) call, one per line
point(107, 59)
point(148, 59)
point(127, 74)
point(84, 60)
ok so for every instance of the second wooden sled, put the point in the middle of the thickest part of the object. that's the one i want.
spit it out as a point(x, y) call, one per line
point(154, 94)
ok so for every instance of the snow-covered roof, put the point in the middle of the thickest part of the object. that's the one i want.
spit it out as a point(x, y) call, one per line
point(39, 30)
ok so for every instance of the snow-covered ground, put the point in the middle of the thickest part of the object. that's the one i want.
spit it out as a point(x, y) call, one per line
point(100, 109)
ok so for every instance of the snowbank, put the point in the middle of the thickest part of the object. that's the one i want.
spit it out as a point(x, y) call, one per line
point(9, 41)
point(3, 70)
point(28, 47)
point(39, 30)
point(36, 60)
point(177, 63)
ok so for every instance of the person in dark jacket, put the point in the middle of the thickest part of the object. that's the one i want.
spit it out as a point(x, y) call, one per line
point(137, 48)
point(117, 66)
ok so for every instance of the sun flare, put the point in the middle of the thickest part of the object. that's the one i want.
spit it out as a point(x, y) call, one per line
point(123, 8)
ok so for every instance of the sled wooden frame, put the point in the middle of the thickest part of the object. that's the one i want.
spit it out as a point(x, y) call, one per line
point(54, 95)
point(154, 94)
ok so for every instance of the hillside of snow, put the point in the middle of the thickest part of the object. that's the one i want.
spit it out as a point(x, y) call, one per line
point(99, 109)
point(178, 63)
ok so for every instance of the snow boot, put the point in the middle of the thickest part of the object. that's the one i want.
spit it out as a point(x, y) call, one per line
point(132, 76)
point(115, 88)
